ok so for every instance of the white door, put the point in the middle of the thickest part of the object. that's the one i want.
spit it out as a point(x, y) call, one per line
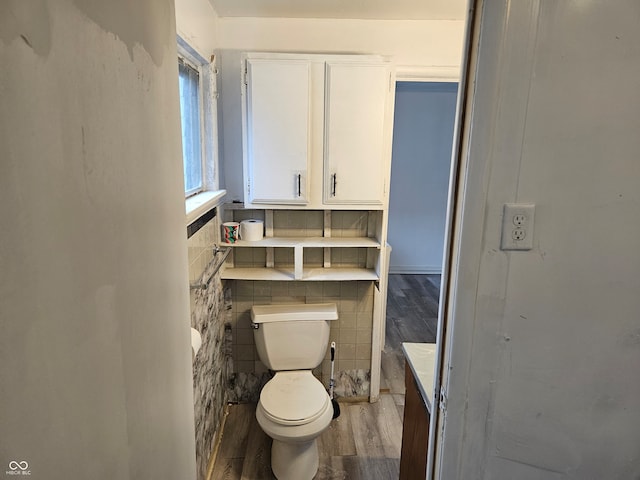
point(355, 135)
point(277, 123)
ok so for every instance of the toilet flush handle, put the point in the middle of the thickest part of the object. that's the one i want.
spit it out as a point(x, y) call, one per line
point(255, 326)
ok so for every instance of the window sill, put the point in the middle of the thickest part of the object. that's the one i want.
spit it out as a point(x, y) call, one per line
point(201, 203)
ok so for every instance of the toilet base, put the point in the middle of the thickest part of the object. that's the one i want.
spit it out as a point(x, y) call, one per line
point(294, 461)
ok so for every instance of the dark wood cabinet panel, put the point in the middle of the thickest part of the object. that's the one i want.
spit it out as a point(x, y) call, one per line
point(415, 432)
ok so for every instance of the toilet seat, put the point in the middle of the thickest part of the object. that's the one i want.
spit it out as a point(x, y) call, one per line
point(294, 398)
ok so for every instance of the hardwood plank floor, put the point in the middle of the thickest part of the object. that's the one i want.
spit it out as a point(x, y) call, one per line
point(377, 428)
point(412, 309)
point(364, 442)
point(412, 316)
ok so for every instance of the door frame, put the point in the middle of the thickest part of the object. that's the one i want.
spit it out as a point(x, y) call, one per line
point(435, 74)
point(460, 75)
point(454, 210)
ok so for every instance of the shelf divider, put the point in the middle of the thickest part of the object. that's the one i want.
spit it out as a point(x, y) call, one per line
point(327, 234)
point(268, 231)
point(297, 262)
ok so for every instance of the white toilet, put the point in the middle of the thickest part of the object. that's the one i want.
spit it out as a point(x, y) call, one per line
point(294, 407)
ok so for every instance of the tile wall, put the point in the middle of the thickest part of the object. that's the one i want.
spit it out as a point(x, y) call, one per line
point(200, 250)
point(351, 332)
point(210, 313)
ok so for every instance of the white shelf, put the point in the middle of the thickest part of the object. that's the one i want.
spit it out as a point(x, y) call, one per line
point(310, 242)
point(257, 273)
point(339, 273)
point(308, 274)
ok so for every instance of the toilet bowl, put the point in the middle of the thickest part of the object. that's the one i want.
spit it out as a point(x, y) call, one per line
point(294, 407)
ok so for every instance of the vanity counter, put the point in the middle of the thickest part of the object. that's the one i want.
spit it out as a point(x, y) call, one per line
point(419, 365)
point(420, 359)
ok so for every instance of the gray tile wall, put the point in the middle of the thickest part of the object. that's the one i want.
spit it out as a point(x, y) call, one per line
point(351, 332)
point(212, 364)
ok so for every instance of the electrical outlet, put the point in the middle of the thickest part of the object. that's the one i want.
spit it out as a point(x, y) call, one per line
point(517, 226)
point(518, 234)
point(519, 219)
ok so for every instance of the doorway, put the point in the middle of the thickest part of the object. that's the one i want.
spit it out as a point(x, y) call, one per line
point(422, 138)
point(422, 143)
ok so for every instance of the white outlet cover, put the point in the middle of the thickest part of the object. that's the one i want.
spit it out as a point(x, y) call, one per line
point(517, 226)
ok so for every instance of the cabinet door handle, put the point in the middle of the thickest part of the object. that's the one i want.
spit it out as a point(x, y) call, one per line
point(333, 188)
point(299, 184)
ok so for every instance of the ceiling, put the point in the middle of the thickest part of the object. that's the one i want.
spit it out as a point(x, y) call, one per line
point(362, 9)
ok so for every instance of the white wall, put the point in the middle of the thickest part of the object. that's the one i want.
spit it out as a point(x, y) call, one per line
point(409, 42)
point(413, 45)
point(95, 361)
point(546, 343)
point(422, 138)
point(197, 23)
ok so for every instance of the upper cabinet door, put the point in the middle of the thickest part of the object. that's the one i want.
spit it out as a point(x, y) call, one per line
point(356, 148)
point(277, 131)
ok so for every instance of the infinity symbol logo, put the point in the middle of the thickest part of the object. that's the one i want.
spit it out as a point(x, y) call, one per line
point(13, 465)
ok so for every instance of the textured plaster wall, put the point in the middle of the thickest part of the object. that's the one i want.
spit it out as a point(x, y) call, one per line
point(546, 342)
point(95, 364)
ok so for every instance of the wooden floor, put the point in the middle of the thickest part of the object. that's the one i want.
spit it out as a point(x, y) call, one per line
point(412, 316)
point(363, 443)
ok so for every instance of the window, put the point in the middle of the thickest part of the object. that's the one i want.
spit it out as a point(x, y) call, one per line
point(191, 119)
point(198, 107)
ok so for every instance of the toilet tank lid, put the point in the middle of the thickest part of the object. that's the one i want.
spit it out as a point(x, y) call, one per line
point(291, 312)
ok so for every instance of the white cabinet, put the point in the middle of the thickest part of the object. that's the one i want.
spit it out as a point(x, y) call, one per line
point(317, 130)
point(354, 150)
point(277, 131)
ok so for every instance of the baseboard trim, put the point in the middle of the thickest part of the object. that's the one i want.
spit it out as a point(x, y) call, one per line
point(415, 270)
point(217, 443)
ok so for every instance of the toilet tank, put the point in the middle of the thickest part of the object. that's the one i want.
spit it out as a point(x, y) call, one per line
point(294, 336)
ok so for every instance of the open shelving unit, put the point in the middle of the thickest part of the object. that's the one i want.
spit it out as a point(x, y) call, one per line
point(299, 271)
